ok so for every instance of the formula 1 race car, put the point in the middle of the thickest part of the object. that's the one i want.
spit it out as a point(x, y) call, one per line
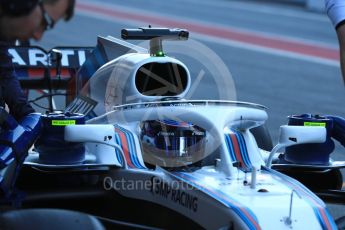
point(133, 151)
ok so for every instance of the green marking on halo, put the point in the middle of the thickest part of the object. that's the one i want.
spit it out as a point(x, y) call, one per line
point(63, 122)
point(321, 124)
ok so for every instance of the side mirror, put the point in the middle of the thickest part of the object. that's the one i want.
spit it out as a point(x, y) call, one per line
point(295, 135)
point(103, 134)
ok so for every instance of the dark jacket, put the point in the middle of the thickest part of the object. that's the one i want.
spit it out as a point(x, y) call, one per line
point(10, 90)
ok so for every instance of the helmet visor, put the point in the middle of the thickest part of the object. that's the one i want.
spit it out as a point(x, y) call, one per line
point(170, 143)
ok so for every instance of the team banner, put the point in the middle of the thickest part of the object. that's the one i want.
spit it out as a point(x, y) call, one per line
point(36, 57)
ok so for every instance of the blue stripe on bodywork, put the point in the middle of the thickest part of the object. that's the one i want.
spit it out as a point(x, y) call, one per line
point(242, 147)
point(244, 151)
point(131, 146)
point(245, 214)
point(317, 205)
point(132, 149)
point(230, 148)
point(133, 156)
point(118, 154)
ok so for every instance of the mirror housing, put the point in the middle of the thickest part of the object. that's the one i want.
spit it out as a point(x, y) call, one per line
point(295, 135)
point(103, 134)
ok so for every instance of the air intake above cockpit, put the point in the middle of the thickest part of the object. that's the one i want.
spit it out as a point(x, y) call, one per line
point(161, 79)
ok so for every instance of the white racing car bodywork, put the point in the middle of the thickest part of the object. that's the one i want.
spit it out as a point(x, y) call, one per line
point(219, 195)
point(234, 191)
point(225, 186)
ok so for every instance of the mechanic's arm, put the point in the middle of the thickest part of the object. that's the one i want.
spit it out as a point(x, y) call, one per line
point(341, 38)
point(14, 97)
point(12, 93)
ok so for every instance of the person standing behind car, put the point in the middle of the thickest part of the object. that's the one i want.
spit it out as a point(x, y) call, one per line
point(22, 20)
point(336, 12)
point(42, 15)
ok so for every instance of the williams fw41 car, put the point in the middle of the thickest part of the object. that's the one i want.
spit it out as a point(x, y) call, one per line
point(162, 160)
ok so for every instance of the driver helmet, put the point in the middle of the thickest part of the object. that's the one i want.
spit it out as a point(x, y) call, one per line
point(170, 143)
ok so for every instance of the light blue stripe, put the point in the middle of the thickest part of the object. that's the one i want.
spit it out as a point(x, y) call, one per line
point(230, 148)
point(244, 151)
point(229, 204)
point(130, 146)
point(118, 141)
point(245, 160)
point(297, 185)
point(131, 155)
point(329, 217)
point(131, 149)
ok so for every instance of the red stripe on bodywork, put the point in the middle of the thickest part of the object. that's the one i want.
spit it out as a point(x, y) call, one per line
point(237, 150)
point(125, 148)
